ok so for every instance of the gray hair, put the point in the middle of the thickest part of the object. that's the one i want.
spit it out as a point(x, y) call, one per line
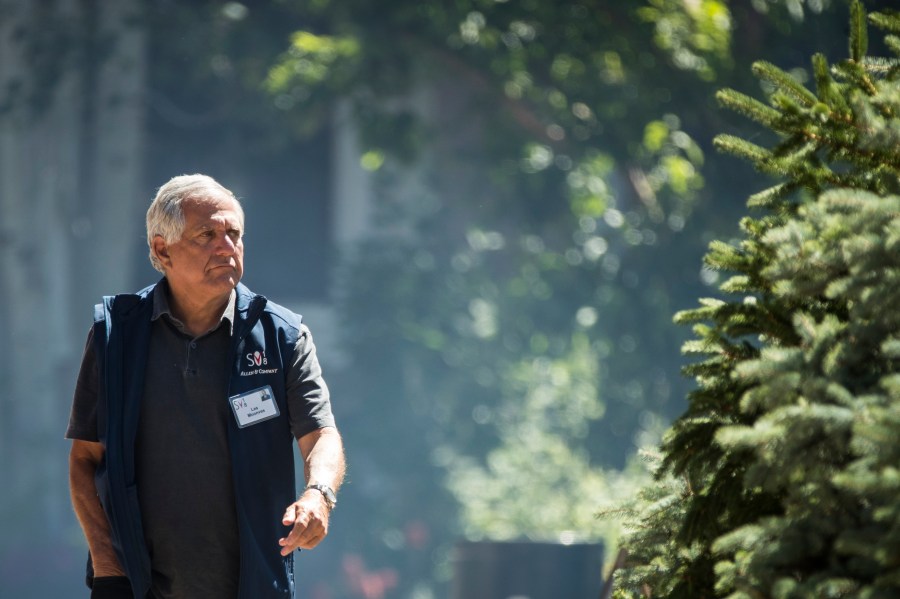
point(165, 217)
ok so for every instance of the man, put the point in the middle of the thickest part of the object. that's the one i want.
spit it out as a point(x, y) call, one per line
point(189, 399)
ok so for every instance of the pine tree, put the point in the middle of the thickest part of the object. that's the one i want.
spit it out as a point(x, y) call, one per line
point(782, 479)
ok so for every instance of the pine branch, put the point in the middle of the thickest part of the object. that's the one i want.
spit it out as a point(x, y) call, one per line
point(858, 73)
point(749, 107)
point(783, 81)
point(893, 44)
point(886, 19)
point(827, 88)
point(859, 38)
point(771, 197)
point(851, 148)
point(883, 67)
point(741, 148)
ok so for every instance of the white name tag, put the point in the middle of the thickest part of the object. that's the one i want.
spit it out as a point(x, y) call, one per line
point(254, 406)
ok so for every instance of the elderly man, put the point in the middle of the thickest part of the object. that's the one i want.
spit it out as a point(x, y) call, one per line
point(189, 399)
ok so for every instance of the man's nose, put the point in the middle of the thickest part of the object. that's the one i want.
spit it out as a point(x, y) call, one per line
point(225, 245)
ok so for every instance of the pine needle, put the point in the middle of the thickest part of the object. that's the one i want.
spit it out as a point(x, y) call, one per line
point(783, 81)
point(859, 38)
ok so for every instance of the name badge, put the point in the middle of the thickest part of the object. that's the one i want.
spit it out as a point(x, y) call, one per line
point(254, 406)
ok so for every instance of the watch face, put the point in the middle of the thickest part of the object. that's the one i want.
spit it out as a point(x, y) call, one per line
point(326, 491)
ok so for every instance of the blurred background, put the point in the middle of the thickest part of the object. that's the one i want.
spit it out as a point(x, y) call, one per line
point(486, 210)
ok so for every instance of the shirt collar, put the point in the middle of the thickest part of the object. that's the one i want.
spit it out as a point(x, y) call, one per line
point(161, 307)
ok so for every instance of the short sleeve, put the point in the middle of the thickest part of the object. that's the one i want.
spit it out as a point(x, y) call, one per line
point(83, 417)
point(309, 403)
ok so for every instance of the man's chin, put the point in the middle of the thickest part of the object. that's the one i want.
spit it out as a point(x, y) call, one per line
point(226, 281)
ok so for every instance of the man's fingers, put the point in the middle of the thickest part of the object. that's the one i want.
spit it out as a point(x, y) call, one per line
point(309, 525)
point(290, 515)
point(297, 518)
point(302, 533)
point(297, 539)
point(304, 542)
point(306, 533)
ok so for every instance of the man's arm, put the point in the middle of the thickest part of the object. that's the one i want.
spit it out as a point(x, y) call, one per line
point(323, 463)
point(84, 458)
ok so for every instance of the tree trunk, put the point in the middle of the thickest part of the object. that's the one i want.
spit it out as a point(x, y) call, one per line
point(70, 197)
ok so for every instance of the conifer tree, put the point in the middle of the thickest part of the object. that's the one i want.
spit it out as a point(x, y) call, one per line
point(782, 479)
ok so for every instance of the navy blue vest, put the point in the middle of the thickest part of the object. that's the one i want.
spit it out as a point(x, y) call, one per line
point(264, 487)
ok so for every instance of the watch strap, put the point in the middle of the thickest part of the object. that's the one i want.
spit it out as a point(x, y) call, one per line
point(327, 492)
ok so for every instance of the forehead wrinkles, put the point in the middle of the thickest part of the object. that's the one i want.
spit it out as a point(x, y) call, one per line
point(217, 220)
point(212, 213)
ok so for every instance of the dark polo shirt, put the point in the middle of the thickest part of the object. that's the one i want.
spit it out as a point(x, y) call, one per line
point(183, 463)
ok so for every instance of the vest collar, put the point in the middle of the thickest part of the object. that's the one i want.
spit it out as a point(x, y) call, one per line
point(247, 308)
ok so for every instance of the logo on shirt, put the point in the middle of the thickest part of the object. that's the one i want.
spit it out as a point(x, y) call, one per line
point(257, 358)
point(256, 362)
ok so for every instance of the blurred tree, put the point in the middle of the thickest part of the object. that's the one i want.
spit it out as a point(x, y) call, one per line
point(538, 168)
point(780, 480)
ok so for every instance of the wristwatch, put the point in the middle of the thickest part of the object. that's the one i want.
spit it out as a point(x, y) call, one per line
point(327, 493)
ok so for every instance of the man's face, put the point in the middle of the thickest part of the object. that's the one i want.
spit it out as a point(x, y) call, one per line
point(208, 261)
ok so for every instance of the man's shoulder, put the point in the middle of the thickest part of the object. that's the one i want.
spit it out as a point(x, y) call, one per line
point(122, 302)
point(287, 315)
point(140, 293)
point(273, 309)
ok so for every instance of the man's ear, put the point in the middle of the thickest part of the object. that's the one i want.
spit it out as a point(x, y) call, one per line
point(161, 250)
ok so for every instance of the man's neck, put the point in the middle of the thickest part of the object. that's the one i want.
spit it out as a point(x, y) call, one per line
point(197, 316)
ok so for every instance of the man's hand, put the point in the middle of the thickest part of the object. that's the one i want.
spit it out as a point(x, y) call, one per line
point(111, 587)
point(309, 518)
point(323, 463)
point(84, 458)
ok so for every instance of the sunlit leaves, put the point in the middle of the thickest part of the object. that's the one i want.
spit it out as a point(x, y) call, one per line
point(794, 7)
point(470, 29)
point(234, 11)
point(677, 159)
point(589, 191)
point(565, 66)
point(691, 31)
point(309, 59)
point(549, 405)
point(537, 158)
point(372, 160)
point(610, 67)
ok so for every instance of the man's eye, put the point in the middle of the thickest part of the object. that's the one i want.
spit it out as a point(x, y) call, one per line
point(234, 234)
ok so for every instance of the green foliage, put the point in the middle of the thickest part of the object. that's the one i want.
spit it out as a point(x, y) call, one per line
point(859, 34)
point(691, 30)
point(551, 184)
point(787, 451)
point(541, 425)
point(528, 221)
point(537, 165)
